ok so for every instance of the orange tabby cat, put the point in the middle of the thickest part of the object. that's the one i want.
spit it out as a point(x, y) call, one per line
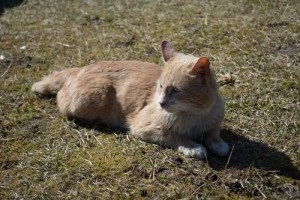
point(177, 107)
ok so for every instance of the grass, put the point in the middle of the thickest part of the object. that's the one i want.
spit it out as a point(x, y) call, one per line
point(45, 156)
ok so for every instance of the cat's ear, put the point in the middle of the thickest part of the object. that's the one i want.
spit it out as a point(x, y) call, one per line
point(202, 67)
point(168, 51)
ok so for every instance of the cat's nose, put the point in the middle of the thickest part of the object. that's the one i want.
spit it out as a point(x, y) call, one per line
point(162, 100)
point(162, 103)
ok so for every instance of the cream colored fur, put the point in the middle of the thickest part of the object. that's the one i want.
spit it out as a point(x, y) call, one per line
point(177, 107)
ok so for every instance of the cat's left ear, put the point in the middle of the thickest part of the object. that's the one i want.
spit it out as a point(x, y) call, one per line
point(167, 50)
point(202, 67)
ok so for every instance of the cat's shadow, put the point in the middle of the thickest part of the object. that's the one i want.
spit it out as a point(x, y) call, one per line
point(245, 153)
point(4, 4)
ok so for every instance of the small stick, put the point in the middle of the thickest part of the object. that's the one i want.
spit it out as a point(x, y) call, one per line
point(229, 157)
point(7, 69)
point(261, 192)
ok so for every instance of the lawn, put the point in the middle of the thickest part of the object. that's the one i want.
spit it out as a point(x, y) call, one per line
point(45, 156)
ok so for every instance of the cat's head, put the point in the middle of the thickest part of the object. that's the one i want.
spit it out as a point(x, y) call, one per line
point(187, 83)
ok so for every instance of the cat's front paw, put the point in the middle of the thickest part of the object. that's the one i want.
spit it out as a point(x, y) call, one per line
point(195, 152)
point(220, 148)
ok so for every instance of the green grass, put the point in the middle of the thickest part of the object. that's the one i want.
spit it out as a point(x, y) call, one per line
point(45, 156)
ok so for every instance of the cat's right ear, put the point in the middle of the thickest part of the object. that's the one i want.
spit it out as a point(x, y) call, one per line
point(168, 51)
point(202, 67)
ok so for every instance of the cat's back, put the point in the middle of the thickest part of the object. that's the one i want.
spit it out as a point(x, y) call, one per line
point(126, 77)
point(123, 69)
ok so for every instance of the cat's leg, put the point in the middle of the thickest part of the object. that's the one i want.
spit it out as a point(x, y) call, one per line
point(91, 100)
point(216, 144)
point(182, 144)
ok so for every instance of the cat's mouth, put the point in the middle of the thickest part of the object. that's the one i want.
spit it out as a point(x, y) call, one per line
point(171, 108)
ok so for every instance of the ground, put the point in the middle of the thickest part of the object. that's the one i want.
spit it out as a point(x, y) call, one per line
point(45, 156)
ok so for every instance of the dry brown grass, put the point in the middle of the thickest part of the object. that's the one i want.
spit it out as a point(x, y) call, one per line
point(45, 156)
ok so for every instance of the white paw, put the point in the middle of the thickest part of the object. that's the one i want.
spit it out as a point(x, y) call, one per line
point(34, 87)
point(38, 88)
point(220, 148)
point(196, 152)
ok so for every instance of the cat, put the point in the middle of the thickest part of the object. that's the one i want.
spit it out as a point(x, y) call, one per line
point(177, 106)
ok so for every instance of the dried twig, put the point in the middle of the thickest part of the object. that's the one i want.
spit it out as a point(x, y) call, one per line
point(229, 157)
point(7, 68)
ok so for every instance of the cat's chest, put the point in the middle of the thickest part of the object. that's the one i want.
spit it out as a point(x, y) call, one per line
point(192, 125)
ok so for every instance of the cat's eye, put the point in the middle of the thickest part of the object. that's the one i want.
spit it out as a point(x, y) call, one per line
point(160, 85)
point(175, 90)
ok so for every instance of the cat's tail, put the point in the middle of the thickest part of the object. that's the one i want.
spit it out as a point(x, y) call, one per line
point(51, 84)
